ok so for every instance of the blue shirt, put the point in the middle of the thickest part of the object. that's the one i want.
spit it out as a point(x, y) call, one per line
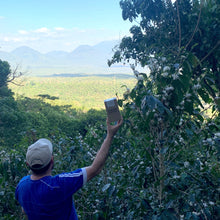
point(51, 196)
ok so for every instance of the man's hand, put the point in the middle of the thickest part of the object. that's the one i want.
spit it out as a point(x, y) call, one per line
point(102, 154)
point(112, 129)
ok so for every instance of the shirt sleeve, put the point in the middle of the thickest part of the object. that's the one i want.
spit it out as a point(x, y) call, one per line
point(84, 176)
point(73, 181)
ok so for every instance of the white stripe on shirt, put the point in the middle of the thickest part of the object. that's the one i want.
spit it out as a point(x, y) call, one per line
point(83, 172)
point(70, 174)
point(84, 176)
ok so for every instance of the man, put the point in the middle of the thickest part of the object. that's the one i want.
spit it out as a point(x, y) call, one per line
point(45, 197)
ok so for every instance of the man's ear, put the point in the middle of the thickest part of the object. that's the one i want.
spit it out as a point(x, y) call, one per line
point(52, 162)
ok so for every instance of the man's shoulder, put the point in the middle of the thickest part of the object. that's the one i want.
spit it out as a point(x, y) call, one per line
point(24, 179)
point(76, 175)
point(22, 184)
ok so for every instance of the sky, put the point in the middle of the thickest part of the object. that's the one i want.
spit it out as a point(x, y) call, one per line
point(48, 25)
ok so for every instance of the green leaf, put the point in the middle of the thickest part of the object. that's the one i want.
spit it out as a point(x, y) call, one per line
point(120, 102)
point(204, 95)
point(169, 214)
point(200, 117)
point(105, 187)
point(183, 176)
point(194, 60)
point(189, 107)
point(146, 204)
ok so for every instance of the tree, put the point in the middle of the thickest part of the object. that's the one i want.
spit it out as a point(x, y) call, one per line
point(6, 74)
point(11, 120)
point(183, 31)
point(5, 71)
point(167, 109)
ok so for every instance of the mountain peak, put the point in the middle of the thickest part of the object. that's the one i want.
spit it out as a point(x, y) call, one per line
point(82, 48)
point(24, 50)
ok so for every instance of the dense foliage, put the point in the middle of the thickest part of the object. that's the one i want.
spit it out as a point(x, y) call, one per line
point(164, 162)
point(173, 111)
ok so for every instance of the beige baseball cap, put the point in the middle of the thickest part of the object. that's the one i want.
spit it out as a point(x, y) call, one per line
point(39, 154)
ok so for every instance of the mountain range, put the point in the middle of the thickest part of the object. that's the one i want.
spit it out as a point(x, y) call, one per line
point(84, 59)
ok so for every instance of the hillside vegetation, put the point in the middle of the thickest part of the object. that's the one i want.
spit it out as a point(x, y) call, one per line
point(81, 93)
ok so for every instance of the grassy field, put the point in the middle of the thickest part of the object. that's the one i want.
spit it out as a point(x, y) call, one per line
point(80, 92)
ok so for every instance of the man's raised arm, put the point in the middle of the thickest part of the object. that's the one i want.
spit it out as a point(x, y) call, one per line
point(102, 154)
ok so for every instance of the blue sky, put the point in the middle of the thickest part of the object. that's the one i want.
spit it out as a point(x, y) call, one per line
point(47, 25)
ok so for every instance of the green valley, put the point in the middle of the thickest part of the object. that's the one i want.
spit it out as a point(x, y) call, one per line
point(82, 93)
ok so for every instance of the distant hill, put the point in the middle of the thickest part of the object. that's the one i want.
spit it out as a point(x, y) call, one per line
point(84, 59)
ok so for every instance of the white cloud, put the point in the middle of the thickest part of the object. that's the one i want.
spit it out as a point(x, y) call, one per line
point(42, 30)
point(79, 30)
point(59, 29)
point(2, 17)
point(23, 32)
point(12, 39)
point(6, 39)
point(17, 39)
point(68, 43)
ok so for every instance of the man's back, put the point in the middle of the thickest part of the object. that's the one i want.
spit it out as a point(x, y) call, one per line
point(43, 197)
point(50, 197)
